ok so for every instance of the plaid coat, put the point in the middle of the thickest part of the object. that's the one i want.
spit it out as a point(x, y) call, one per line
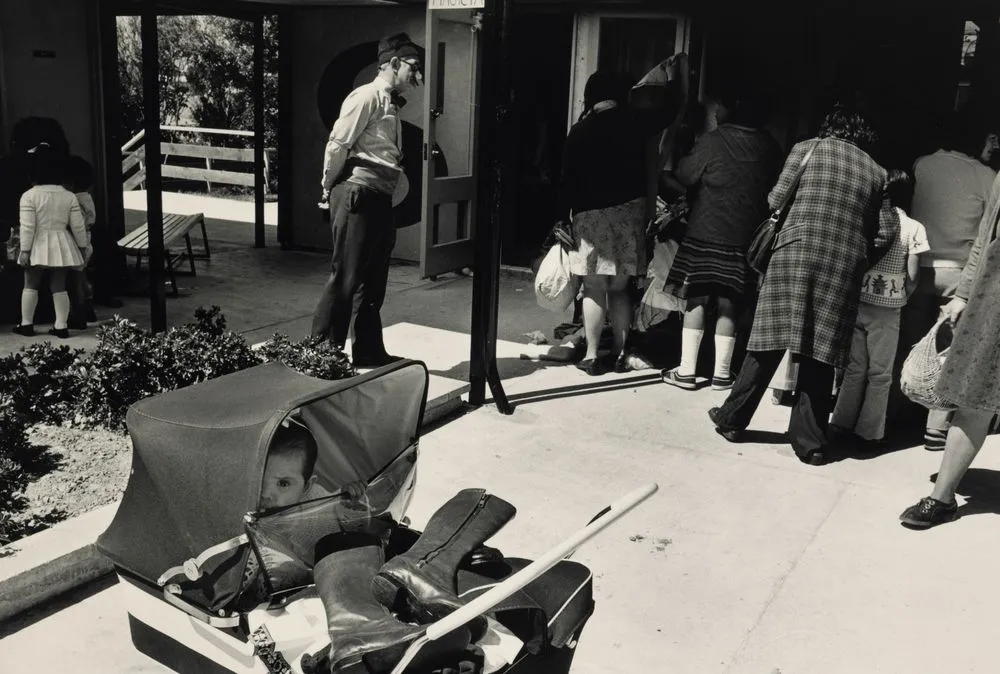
point(809, 297)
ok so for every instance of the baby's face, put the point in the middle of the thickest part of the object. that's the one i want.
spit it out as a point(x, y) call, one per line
point(283, 480)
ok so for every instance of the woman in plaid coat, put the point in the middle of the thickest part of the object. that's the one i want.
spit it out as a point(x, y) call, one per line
point(809, 297)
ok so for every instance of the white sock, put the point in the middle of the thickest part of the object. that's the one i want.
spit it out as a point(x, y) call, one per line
point(60, 302)
point(690, 343)
point(724, 347)
point(29, 301)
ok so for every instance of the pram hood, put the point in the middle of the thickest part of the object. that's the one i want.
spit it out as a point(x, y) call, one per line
point(199, 454)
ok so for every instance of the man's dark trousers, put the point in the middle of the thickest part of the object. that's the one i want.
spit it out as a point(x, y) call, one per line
point(811, 413)
point(363, 237)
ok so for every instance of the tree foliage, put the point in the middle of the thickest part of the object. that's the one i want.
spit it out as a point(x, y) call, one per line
point(206, 73)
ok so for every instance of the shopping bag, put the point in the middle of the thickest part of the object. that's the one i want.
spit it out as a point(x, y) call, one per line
point(922, 368)
point(555, 286)
point(656, 305)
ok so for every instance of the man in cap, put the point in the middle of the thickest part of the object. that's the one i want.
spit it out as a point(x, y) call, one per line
point(361, 170)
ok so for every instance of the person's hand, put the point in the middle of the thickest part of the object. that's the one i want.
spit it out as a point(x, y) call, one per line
point(87, 252)
point(324, 200)
point(953, 310)
point(355, 490)
point(24, 258)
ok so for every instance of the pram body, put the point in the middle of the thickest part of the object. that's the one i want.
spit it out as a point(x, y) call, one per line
point(188, 522)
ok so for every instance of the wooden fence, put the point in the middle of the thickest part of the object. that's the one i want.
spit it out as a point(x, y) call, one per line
point(134, 160)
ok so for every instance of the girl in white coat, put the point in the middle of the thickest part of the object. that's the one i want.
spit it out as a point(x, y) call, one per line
point(54, 239)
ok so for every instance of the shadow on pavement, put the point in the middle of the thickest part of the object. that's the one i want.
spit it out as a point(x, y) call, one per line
point(981, 489)
point(580, 389)
point(49, 608)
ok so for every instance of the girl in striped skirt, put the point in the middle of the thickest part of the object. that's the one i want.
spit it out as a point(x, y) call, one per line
point(729, 172)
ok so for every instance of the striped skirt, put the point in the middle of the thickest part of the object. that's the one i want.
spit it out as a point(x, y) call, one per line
point(704, 269)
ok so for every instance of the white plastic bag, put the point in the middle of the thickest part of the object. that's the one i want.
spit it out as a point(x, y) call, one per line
point(656, 304)
point(555, 286)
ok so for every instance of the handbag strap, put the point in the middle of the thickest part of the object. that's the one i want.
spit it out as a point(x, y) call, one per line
point(790, 194)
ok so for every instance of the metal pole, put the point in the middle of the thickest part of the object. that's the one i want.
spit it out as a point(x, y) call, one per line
point(494, 101)
point(110, 260)
point(258, 130)
point(154, 196)
point(285, 207)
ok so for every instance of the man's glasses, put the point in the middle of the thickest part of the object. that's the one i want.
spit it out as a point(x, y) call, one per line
point(415, 66)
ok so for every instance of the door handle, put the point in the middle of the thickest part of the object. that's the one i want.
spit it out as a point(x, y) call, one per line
point(435, 153)
point(436, 112)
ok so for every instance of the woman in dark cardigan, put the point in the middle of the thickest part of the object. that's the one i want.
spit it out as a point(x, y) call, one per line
point(809, 296)
point(603, 193)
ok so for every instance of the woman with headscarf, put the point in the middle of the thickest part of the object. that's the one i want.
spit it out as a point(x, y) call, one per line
point(603, 193)
point(839, 223)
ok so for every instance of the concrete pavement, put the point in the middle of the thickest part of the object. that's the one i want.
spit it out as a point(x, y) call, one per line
point(746, 561)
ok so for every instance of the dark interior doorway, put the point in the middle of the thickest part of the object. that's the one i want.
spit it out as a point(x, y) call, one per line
point(541, 82)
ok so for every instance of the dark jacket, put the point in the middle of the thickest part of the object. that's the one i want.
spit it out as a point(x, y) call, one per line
point(604, 162)
point(732, 169)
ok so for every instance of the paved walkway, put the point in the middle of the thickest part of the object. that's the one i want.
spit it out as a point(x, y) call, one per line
point(746, 561)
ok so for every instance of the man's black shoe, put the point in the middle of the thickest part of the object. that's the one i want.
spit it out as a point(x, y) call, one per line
point(375, 361)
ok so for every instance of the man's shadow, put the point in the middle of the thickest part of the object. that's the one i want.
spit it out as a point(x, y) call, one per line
point(981, 489)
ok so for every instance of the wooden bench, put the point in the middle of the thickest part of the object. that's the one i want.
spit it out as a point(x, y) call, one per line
point(175, 228)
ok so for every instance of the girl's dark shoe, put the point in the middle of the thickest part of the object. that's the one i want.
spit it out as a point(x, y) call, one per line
point(592, 366)
point(927, 513)
point(729, 433)
point(688, 382)
point(25, 330)
point(61, 333)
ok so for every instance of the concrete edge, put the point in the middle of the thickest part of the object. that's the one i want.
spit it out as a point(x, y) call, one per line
point(62, 558)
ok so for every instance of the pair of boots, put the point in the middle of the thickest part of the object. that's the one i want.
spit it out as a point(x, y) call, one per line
point(365, 636)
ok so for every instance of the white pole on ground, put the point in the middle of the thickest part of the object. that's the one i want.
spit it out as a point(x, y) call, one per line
point(519, 580)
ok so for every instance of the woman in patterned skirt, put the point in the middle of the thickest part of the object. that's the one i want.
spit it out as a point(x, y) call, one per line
point(603, 192)
point(970, 378)
point(729, 171)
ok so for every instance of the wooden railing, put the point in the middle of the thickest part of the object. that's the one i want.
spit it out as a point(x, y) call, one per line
point(134, 155)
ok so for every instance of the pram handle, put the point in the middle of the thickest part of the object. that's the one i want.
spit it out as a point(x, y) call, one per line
point(519, 580)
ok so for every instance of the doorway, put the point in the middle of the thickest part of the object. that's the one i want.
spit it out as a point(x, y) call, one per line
point(541, 84)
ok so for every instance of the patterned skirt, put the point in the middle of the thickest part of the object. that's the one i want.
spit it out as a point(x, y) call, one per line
point(704, 269)
point(610, 240)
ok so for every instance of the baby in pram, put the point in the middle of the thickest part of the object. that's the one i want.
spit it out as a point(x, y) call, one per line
point(356, 584)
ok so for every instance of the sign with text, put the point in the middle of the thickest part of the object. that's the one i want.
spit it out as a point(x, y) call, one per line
point(456, 4)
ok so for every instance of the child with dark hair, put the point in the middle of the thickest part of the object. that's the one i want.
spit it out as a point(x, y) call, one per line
point(288, 473)
point(864, 395)
point(53, 239)
point(80, 180)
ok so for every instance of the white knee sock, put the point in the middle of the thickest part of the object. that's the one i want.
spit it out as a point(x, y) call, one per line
point(724, 347)
point(29, 301)
point(690, 343)
point(60, 301)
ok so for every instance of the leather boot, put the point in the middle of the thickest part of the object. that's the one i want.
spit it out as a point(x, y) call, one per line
point(364, 637)
point(423, 579)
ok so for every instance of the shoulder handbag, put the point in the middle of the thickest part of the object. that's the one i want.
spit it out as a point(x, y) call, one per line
point(762, 242)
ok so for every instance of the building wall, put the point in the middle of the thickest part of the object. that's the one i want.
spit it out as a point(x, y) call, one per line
point(46, 66)
point(318, 37)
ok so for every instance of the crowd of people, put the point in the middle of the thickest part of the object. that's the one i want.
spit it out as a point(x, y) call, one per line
point(867, 260)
